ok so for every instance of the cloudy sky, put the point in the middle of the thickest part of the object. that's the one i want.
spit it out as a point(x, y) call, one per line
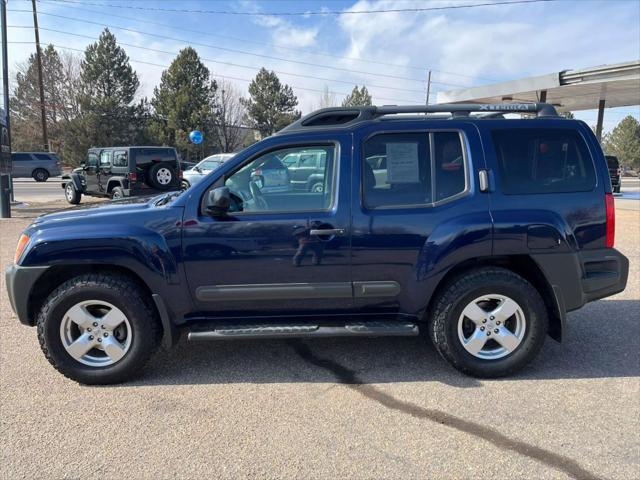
point(389, 52)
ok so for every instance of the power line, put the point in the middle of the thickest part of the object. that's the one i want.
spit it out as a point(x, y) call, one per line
point(250, 67)
point(227, 77)
point(232, 50)
point(283, 47)
point(307, 13)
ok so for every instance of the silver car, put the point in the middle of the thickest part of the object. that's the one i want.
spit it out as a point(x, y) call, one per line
point(37, 165)
point(197, 173)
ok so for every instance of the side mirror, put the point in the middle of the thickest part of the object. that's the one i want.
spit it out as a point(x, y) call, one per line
point(83, 165)
point(218, 202)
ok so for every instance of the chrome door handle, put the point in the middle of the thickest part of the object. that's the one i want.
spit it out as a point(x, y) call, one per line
point(326, 232)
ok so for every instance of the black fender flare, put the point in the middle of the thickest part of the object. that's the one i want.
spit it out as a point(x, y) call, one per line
point(75, 178)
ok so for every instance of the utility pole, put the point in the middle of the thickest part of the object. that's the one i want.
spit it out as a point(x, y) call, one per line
point(43, 113)
point(5, 136)
point(428, 86)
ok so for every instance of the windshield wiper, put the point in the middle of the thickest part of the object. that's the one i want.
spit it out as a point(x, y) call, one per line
point(167, 198)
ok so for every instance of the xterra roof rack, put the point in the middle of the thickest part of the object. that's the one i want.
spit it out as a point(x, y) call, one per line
point(348, 116)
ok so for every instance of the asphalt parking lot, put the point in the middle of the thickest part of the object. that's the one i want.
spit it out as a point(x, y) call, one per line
point(359, 408)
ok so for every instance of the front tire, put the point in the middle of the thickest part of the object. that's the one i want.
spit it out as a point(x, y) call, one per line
point(98, 329)
point(489, 322)
point(72, 195)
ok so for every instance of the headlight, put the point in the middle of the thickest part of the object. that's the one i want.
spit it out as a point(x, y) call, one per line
point(22, 243)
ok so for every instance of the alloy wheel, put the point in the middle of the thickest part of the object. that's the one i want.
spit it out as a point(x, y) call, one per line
point(96, 333)
point(491, 326)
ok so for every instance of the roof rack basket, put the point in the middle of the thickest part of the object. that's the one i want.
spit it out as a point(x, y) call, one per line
point(348, 116)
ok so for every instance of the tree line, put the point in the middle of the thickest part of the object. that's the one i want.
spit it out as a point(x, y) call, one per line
point(92, 100)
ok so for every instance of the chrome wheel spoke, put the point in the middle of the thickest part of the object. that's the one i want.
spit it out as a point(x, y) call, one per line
point(80, 316)
point(476, 342)
point(112, 319)
point(113, 348)
point(505, 310)
point(507, 339)
point(81, 346)
point(474, 313)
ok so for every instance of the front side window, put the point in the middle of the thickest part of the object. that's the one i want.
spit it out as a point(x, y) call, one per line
point(92, 160)
point(543, 160)
point(264, 183)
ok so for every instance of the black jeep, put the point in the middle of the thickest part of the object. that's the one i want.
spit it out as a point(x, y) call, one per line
point(118, 172)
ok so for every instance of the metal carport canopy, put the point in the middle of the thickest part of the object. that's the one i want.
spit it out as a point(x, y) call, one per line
point(615, 85)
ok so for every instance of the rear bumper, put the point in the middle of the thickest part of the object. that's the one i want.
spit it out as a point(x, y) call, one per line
point(20, 281)
point(585, 276)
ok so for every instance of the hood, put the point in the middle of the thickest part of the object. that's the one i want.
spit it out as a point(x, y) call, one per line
point(125, 206)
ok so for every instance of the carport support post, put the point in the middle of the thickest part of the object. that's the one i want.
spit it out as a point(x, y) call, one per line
point(543, 96)
point(5, 202)
point(600, 120)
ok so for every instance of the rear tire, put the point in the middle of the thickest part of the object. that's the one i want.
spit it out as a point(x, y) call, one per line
point(482, 344)
point(161, 176)
point(73, 314)
point(72, 195)
point(40, 175)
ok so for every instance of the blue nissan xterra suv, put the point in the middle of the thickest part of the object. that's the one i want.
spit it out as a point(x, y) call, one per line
point(481, 230)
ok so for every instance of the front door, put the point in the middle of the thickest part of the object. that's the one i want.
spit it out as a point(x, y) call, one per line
point(280, 250)
point(91, 173)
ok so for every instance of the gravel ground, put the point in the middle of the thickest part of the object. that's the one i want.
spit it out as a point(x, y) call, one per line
point(359, 408)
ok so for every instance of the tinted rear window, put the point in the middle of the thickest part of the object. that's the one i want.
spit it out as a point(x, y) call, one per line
point(44, 156)
point(612, 162)
point(148, 155)
point(543, 161)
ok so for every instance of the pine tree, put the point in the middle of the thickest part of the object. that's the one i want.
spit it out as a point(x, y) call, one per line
point(624, 142)
point(109, 86)
point(184, 101)
point(271, 105)
point(357, 97)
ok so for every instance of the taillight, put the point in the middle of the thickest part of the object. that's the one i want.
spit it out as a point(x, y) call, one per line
point(179, 173)
point(619, 171)
point(611, 220)
point(133, 176)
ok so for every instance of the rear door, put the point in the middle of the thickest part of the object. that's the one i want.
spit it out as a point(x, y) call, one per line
point(417, 211)
point(277, 252)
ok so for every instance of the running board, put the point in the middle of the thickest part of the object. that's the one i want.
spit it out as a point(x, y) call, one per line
point(368, 329)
